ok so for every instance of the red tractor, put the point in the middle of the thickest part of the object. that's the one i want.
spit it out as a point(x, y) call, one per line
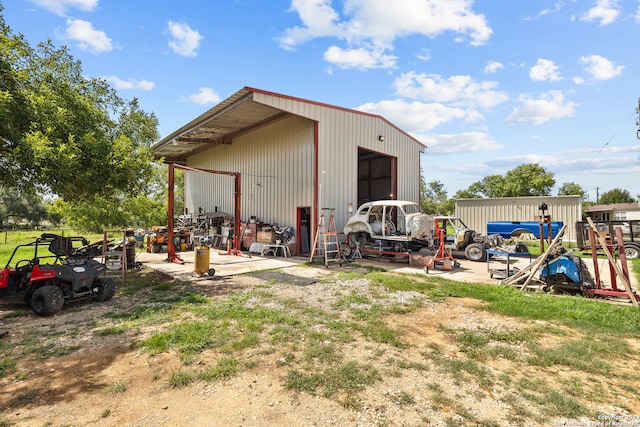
point(51, 272)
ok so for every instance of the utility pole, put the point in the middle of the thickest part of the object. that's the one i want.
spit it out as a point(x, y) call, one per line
point(597, 195)
point(638, 119)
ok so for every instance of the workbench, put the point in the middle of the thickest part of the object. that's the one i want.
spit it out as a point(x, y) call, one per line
point(273, 248)
point(503, 273)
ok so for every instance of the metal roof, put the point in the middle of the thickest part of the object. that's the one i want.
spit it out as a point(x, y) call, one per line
point(237, 114)
point(234, 116)
point(613, 207)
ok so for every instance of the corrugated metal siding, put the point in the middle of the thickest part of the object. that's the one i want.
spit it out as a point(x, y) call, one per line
point(477, 212)
point(276, 167)
point(340, 133)
point(280, 157)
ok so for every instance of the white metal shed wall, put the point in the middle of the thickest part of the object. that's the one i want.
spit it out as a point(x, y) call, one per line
point(477, 212)
point(340, 133)
point(276, 167)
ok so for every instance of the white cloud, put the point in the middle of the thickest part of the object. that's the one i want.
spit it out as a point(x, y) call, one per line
point(564, 162)
point(467, 142)
point(416, 117)
point(59, 7)
point(600, 68)
point(608, 149)
point(549, 106)
point(548, 11)
point(129, 84)
point(206, 95)
point(492, 67)
point(557, 7)
point(360, 58)
point(458, 90)
point(544, 70)
point(375, 24)
point(319, 20)
point(424, 54)
point(605, 11)
point(87, 37)
point(389, 20)
point(184, 40)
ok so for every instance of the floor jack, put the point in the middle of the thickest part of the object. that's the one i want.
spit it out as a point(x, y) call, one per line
point(442, 256)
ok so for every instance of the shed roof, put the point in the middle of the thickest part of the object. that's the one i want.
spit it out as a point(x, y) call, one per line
point(613, 207)
point(234, 116)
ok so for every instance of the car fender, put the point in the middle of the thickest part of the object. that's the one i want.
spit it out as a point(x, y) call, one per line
point(357, 227)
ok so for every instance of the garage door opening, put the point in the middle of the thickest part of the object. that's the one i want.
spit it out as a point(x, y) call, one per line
point(376, 176)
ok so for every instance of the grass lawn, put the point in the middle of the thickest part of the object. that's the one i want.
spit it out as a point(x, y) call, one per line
point(9, 239)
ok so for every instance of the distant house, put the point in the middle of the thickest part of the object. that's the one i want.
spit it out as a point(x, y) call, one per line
point(291, 158)
point(614, 212)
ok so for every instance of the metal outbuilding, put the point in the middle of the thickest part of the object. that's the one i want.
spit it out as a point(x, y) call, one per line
point(291, 157)
point(475, 213)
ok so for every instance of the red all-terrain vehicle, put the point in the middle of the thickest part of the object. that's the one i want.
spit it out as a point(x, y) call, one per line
point(51, 272)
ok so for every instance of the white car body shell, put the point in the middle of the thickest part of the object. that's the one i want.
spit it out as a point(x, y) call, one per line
point(403, 221)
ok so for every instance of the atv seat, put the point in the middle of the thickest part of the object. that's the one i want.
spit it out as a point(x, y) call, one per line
point(61, 247)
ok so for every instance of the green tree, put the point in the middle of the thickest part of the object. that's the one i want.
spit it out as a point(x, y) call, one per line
point(528, 180)
point(616, 196)
point(571, 189)
point(524, 180)
point(63, 132)
point(20, 207)
point(103, 212)
point(423, 192)
point(490, 186)
point(435, 201)
point(473, 192)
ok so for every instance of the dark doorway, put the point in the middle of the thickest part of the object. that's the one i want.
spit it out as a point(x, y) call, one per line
point(303, 234)
point(376, 176)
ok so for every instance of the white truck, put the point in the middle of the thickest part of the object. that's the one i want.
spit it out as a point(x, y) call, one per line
point(397, 227)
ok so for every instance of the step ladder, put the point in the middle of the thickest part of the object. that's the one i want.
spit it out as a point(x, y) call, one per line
point(326, 240)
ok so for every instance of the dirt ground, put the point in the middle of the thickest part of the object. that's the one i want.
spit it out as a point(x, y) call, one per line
point(80, 388)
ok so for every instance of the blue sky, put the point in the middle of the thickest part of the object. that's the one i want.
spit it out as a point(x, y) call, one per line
point(487, 85)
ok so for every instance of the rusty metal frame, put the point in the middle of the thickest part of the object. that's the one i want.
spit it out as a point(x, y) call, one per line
point(172, 256)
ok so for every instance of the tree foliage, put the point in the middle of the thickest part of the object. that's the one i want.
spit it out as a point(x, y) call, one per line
point(435, 199)
point(104, 212)
point(64, 133)
point(571, 189)
point(524, 180)
point(17, 207)
point(616, 195)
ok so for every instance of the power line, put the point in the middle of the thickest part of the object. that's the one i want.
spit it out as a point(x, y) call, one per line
point(594, 157)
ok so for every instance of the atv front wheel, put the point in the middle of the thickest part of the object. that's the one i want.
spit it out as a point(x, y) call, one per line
point(47, 300)
point(106, 289)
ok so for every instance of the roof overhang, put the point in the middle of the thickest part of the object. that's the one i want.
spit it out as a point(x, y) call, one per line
point(233, 117)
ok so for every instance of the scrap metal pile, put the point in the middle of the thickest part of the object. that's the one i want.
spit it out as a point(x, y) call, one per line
point(561, 271)
point(215, 230)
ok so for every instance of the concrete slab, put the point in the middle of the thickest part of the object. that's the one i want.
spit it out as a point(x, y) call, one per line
point(225, 265)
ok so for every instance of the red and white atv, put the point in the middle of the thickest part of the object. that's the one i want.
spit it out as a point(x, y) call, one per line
point(50, 272)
